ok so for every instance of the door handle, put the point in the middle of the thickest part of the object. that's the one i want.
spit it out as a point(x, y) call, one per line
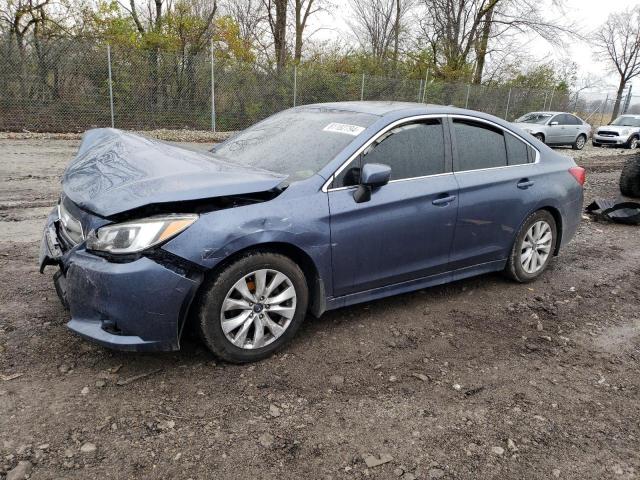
point(444, 201)
point(525, 183)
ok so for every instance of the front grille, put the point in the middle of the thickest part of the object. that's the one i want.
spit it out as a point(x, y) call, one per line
point(70, 227)
point(606, 133)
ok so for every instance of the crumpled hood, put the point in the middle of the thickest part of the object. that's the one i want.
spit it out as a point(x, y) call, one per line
point(116, 171)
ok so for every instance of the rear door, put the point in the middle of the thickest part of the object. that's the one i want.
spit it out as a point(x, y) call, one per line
point(496, 174)
point(406, 229)
point(574, 125)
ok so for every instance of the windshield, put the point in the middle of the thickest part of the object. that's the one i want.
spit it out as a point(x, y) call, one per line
point(297, 142)
point(626, 122)
point(534, 118)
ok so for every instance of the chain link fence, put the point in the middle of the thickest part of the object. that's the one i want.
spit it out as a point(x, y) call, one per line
point(71, 85)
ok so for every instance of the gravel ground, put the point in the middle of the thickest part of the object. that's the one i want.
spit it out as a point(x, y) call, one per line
point(479, 379)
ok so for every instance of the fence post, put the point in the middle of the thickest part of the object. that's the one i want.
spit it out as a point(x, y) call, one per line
point(466, 102)
point(506, 113)
point(110, 86)
point(420, 91)
point(575, 105)
point(295, 84)
point(424, 92)
point(362, 88)
point(553, 92)
point(213, 92)
point(604, 107)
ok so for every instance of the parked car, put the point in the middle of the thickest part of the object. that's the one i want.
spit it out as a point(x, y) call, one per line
point(624, 131)
point(556, 128)
point(312, 209)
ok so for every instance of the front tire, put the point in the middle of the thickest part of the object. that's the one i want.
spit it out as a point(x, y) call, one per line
point(533, 247)
point(253, 307)
point(632, 144)
point(580, 142)
point(540, 137)
point(630, 178)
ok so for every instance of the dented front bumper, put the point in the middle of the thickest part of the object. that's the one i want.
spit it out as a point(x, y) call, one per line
point(140, 305)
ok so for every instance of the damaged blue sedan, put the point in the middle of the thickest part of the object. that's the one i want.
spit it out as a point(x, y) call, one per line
point(312, 209)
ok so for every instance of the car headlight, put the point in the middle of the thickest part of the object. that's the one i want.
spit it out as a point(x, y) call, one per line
point(138, 235)
point(626, 131)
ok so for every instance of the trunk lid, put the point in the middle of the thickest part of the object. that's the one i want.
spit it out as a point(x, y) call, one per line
point(116, 171)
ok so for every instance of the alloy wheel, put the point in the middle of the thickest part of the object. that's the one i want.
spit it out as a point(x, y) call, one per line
point(536, 247)
point(634, 143)
point(258, 309)
point(580, 142)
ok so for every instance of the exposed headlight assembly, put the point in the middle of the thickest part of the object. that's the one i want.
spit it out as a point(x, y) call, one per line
point(138, 235)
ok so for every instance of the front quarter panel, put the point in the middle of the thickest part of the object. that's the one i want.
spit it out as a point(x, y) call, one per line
point(298, 217)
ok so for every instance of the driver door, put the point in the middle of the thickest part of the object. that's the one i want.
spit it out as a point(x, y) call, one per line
point(555, 133)
point(405, 230)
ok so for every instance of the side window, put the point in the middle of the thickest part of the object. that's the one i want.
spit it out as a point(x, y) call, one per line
point(566, 119)
point(557, 118)
point(518, 152)
point(575, 120)
point(479, 145)
point(411, 150)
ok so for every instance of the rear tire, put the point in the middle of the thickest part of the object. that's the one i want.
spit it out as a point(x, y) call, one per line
point(580, 142)
point(630, 178)
point(541, 248)
point(276, 328)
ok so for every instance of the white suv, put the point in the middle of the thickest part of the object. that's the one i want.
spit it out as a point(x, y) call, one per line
point(624, 131)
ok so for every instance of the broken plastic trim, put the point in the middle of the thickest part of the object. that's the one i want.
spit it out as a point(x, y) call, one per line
point(626, 212)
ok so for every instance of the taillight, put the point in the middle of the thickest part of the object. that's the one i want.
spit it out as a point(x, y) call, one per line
point(579, 174)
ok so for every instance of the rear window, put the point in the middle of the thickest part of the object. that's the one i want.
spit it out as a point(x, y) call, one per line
point(296, 142)
point(479, 145)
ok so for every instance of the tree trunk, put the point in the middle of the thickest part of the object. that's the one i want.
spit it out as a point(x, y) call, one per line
point(279, 34)
point(297, 56)
point(616, 106)
point(481, 48)
point(396, 37)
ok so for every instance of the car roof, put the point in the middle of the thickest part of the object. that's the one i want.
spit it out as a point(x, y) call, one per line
point(382, 108)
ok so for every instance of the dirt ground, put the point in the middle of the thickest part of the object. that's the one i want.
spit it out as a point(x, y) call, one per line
point(482, 378)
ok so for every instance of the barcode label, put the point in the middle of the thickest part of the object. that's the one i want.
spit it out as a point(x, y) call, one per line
point(343, 128)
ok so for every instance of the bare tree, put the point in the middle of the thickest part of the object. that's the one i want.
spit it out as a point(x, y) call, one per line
point(377, 24)
point(303, 9)
point(22, 17)
point(249, 16)
point(618, 41)
point(459, 33)
point(277, 18)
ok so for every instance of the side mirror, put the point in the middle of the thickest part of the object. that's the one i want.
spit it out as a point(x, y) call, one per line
point(553, 124)
point(373, 175)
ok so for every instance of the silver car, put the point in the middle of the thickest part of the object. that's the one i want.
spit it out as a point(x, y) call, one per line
point(556, 128)
point(624, 131)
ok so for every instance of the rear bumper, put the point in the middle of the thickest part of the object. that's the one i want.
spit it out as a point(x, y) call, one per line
point(135, 306)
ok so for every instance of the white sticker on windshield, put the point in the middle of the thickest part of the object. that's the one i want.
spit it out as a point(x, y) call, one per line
point(343, 128)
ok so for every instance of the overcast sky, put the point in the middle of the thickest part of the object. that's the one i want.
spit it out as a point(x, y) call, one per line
point(586, 14)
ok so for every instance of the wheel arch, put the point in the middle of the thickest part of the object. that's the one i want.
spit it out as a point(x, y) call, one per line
point(557, 216)
point(317, 297)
